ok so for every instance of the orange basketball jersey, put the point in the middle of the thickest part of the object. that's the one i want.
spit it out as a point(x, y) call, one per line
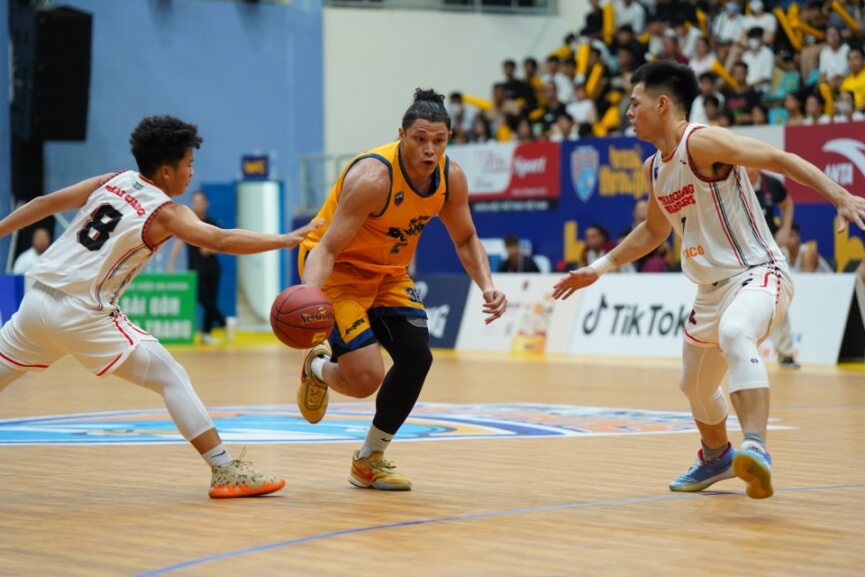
point(387, 240)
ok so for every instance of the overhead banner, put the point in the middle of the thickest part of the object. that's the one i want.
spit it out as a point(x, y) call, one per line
point(510, 176)
point(533, 323)
point(444, 298)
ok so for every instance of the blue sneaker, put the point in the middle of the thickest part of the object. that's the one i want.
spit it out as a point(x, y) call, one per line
point(753, 465)
point(703, 474)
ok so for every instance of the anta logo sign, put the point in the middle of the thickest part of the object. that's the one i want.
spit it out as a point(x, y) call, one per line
point(852, 150)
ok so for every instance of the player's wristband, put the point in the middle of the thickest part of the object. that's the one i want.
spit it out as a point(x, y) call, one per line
point(602, 265)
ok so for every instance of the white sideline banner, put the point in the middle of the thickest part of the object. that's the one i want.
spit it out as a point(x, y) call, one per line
point(644, 315)
point(533, 323)
point(634, 315)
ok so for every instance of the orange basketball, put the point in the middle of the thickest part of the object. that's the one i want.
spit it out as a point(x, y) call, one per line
point(301, 316)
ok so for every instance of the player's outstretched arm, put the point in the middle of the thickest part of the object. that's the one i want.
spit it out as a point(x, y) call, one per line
point(717, 145)
point(645, 238)
point(364, 193)
point(457, 218)
point(181, 222)
point(69, 198)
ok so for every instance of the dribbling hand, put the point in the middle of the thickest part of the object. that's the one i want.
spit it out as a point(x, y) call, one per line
point(295, 237)
point(495, 305)
point(574, 281)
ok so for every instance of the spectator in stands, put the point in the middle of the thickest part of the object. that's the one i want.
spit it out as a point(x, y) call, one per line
point(804, 257)
point(833, 59)
point(481, 131)
point(759, 115)
point(728, 119)
point(39, 243)
point(759, 18)
point(582, 109)
point(814, 110)
point(794, 108)
point(656, 29)
point(727, 29)
point(703, 57)
point(524, 131)
point(741, 100)
point(708, 87)
point(845, 109)
point(461, 114)
point(670, 49)
point(625, 65)
point(546, 115)
point(655, 261)
point(674, 10)
point(809, 56)
point(852, 7)
point(564, 128)
point(712, 110)
point(597, 244)
point(855, 81)
point(687, 37)
point(594, 27)
point(631, 13)
point(503, 115)
point(516, 89)
point(516, 261)
point(760, 61)
point(565, 88)
point(555, 76)
point(530, 71)
point(625, 38)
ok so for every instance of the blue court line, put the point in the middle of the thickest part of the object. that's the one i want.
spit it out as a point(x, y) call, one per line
point(468, 517)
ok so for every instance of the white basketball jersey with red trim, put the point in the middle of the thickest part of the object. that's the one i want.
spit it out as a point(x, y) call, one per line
point(104, 247)
point(722, 228)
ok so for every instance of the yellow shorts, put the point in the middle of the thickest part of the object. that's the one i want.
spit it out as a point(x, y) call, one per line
point(359, 297)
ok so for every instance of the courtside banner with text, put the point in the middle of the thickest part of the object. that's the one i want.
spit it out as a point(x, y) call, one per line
point(444, 298)
point(533, 323)
point(506, 176)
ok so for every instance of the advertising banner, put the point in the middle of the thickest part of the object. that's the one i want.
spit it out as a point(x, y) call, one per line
point(444, 298)
point(509, 176)
point(836, 149)
point(533, 323)
point(163, 305)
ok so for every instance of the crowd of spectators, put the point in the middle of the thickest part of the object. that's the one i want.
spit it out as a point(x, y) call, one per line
point(758, 62)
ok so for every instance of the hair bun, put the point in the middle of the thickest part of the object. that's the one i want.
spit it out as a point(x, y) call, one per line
point(428, 95)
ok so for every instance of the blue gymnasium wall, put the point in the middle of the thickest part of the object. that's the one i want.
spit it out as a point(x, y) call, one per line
point(249, 75)
point(5, 190)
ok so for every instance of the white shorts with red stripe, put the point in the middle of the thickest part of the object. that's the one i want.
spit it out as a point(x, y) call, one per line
point(713, 299)
point(51, 324)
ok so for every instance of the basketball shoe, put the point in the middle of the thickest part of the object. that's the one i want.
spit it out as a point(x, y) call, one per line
point(312, 395)
point(239, 479)
point(377, 472)
point(753, 465)
point(703, 474)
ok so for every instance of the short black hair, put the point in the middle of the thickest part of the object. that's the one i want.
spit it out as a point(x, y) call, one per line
point(710, 76)
point(677, 81)
point(512, 240)
point(755, 32)
point(510, 63)
point(531, 61)
point(162, 140)
point(858, 49)
point(428, 105)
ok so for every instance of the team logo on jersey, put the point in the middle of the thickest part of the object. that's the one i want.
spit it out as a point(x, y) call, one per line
point(397, 200)
point(414, 228)
point(584, 171)
point(348, 422)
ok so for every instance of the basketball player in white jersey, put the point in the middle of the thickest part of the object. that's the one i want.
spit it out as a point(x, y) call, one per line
point(699, 189)
point(122, 221)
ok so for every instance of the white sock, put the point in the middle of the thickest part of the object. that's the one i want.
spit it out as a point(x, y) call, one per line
point(317, 366)
point(217, 456)
point(376, 440)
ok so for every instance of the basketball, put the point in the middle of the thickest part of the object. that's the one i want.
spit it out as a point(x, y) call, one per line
point(301, 316)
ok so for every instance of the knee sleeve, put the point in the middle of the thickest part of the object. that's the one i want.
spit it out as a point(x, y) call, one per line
point(744, 324)
point(406, 339)
point(703, 369)
point(153, 367)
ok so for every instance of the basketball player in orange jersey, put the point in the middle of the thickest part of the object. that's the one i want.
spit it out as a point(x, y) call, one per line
point(122, 221)
point(701, 190)
point(373, 219)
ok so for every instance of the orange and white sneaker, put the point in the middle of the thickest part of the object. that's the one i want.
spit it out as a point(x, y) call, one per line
point(376, 472)
point(312, 394)
point(239, 479)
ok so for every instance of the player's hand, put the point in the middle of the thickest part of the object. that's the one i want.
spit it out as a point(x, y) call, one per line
point(296, 237)
point(851, 209)
point(575, 280)
point(495, 305)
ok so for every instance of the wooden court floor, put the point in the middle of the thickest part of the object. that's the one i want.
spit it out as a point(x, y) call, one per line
point(502, 507)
